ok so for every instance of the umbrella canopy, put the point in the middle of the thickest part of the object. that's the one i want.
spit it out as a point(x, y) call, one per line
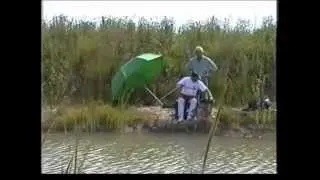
point(137, 73)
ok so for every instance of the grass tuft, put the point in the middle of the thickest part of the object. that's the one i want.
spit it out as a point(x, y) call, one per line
point(94, 117)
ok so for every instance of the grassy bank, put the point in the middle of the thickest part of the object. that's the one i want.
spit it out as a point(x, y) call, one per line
point(103, 117)
point(235, 119)
point(81, 57)
point(93, 117)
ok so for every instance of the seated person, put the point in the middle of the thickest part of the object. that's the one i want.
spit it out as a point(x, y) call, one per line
point(189, 87)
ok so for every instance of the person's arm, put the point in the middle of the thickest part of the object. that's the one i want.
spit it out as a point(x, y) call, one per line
point(204, 88)
point(210, 95)
point(211, 65)
point(180, 83)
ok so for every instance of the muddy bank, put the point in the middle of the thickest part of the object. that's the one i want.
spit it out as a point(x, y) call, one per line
point(233, 123)
point(243, 131)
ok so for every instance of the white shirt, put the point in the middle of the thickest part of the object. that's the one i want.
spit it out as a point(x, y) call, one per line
point(190, 88)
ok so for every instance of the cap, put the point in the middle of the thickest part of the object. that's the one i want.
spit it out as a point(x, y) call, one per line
point(199, 48)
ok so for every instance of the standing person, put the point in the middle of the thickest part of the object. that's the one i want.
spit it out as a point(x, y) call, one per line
point(202, 65)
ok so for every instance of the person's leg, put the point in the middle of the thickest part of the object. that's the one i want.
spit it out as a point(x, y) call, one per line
point(193, 105)
point(181, 102)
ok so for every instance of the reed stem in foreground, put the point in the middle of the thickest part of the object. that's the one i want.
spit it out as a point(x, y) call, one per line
point(214, 127)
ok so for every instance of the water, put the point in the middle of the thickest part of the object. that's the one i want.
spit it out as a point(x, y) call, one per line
point(159, 153)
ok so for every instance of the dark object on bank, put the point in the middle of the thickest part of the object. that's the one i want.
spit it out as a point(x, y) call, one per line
point(255, 105)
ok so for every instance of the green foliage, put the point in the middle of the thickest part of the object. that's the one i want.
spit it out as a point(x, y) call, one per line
point(95, 116)
point(235, 119)
point(80, 58)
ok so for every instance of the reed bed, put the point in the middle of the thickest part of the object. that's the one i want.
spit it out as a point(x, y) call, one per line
point(81, 57)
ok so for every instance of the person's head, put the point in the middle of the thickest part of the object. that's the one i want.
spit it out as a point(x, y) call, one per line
point(198, 52)
point(194, 76)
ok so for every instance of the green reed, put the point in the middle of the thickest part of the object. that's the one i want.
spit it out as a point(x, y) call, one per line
point(81, 57)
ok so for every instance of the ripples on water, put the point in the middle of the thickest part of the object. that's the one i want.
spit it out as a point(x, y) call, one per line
point(159, 153)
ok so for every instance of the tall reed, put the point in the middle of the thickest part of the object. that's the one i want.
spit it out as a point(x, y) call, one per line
point(81, 57)
point(221, 103)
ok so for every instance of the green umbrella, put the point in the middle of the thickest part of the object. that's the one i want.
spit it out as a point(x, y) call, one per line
point(139, 72)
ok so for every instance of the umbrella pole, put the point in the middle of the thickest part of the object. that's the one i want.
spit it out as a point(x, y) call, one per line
point(170, 92)
point(149, 91)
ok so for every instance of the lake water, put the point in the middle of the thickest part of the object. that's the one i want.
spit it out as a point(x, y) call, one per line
point(158, 153)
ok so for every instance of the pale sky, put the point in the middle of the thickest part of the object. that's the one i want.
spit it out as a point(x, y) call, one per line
point(181, 11)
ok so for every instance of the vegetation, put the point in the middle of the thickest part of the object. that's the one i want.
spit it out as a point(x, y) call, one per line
point(81, 57)
point(235, 119)
point(92, 117)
